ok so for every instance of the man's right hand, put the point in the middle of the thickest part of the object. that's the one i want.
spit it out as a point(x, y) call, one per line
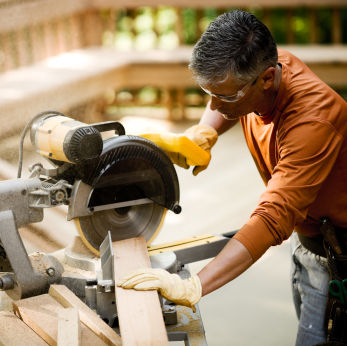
point(205, 137)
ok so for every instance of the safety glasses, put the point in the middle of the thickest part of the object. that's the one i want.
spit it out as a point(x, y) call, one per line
point(231, 98)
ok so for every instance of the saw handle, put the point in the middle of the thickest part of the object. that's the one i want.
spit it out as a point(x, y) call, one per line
point(177, 143)
point(110, 125)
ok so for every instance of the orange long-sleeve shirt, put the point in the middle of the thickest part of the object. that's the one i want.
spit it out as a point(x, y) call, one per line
point(300, 150)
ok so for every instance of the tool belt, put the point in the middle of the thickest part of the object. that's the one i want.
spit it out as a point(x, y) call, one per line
point(335, 245)
point(313, 244)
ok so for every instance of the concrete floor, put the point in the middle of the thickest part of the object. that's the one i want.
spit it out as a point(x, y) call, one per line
point(257, 308)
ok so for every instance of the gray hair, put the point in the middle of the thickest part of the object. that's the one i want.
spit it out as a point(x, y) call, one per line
point(235, 44)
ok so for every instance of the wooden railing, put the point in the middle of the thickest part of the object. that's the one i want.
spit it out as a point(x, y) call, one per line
point(39, 29)
point(36, 29)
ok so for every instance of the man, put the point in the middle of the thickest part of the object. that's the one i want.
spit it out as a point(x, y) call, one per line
point(295, 127)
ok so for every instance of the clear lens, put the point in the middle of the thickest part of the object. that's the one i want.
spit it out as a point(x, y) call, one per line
point(231, 98)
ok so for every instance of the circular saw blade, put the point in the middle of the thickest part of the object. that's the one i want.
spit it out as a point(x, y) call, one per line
point(123, 223)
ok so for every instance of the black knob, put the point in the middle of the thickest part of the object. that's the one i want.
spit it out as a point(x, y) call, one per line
point(177, 209)
point(83, 144)
point(6, 282)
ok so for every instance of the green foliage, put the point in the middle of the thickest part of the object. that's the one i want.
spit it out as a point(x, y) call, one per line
point(166, 19)
point(147, 95)
point(144, 20)
point(165, 27)
point(189, 25)
point(344, 24)
point(300, 25)
point(124, 21)
point(324, 25)
point(210, 14)
point(257, 11)
point(279, 25)
point(146, 27)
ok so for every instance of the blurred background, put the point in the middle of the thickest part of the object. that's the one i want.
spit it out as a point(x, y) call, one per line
point(101, 60)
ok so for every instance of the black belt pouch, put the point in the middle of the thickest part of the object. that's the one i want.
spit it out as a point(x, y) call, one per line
point(335, 319)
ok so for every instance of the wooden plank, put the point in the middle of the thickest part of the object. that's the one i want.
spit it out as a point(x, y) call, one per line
point(8, 62)
point(337, 26)
point(14, 332)
point(37, 43)
point(69, 327)
point(22, 47)
point(68, 299)
point(61, 31)
point(92, 28)
point(139, 312)
point(267, 18)
point(289, 31)
point(313, 25)
point(50, 39)
point(179, 26)
point(181, 102)
point(198, 18)
point(41, 315)
point(109, 21)
point(170, 102)
point(76, 31)
point(2, 56)
point(159, 75)
point(334, 75)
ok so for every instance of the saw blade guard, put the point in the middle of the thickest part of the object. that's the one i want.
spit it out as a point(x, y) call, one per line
point(130, 168)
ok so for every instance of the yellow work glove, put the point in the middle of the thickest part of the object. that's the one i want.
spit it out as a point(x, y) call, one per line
point(170, 286)
point(205, 137)
point(202, 135)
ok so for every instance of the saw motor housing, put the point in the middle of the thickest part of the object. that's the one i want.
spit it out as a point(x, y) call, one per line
point(64, 139)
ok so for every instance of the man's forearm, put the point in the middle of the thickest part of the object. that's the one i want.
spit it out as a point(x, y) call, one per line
point(231, 262)
point(216, 120)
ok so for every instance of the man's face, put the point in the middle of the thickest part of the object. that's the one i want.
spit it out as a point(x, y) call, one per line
point(234, 110)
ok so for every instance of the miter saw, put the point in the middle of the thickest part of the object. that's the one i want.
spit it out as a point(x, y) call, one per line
point(115, 189)
point(123, 184)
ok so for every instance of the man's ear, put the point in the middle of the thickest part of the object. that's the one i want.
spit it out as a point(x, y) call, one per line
point(268, 77)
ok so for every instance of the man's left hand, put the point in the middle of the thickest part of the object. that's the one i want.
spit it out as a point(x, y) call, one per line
point(170, 286)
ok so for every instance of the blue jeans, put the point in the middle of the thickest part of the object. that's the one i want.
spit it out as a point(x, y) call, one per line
point(310, 279)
